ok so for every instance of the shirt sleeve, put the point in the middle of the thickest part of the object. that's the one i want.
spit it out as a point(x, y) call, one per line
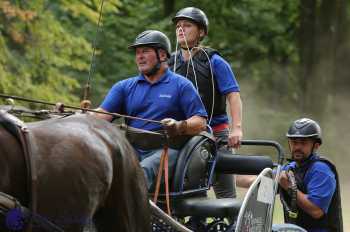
point(191, 102)
point(321, 185)
point(114, 99)
point(224, 76)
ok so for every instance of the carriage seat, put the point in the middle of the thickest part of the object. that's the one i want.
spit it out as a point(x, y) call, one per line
point(205, 207)
point(195, 164)
point(193, 178)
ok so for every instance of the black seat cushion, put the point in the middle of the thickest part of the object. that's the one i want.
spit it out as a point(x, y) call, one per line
point(205, 207)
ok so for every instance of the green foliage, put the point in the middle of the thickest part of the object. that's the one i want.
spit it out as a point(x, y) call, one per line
point(39, 57)
point(46, 46)
point(259, 38)
point(120, 28)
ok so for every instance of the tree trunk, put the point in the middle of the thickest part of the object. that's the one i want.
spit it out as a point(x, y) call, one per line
point(341, 80)
point(319, 35)
point(306, 47)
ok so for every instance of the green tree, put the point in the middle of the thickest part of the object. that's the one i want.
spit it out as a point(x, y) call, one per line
point(39, 57)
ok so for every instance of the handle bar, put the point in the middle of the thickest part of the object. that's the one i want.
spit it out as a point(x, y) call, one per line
point(260, 142)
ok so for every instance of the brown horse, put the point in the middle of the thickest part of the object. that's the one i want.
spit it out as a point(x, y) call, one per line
point(87, 172)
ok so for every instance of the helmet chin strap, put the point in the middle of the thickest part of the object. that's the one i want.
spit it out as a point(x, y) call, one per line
point(156, 67)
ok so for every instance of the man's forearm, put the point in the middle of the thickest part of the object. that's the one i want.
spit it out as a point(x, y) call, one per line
point(195, 125)
point(245, 181)
point(235, 107)
point(310, 208)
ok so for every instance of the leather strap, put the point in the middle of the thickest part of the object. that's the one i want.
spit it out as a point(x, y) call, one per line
point(31, 171)
point(24, 137)
point(291, 208)
point(163, 166)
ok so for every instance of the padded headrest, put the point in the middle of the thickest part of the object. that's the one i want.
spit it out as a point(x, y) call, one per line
point(229, 163)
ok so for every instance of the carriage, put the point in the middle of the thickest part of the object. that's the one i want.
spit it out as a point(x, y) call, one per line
point(198, 162)
point(191, 208)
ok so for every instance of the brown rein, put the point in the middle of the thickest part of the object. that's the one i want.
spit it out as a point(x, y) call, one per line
point(24, 138)
point(83, 109)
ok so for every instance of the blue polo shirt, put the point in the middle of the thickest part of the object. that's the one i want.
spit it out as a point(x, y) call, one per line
point(225, 80)
point(172, 96)
point(320, 183)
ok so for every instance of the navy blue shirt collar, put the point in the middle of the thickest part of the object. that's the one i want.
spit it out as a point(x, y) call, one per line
point(164, 78)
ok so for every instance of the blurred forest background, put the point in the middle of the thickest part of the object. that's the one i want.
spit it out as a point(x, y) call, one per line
point(291, 58)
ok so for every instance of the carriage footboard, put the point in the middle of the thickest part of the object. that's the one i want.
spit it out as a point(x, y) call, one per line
point(163, 222)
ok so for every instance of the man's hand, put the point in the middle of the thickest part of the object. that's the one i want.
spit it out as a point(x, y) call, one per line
point(234, 138)
point(174, 127)
point(284, 181)
point(107, 117)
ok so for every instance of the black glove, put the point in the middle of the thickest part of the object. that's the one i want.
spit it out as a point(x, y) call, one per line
point(173, 127)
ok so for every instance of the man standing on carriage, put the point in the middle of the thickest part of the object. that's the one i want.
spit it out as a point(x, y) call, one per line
point(157, 94)
point(215, 82)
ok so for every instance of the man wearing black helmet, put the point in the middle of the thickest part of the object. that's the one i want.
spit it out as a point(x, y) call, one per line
point(317, 193)
point(215, 82)
point(309, 192)
point(157, 94)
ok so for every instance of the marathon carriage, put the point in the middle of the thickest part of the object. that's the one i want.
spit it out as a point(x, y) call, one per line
point(191, 208)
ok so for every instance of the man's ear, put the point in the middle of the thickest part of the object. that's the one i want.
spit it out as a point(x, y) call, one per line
point(163, 55)
point(317, 146)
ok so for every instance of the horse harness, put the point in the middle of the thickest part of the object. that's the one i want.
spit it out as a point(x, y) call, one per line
point(20, 131)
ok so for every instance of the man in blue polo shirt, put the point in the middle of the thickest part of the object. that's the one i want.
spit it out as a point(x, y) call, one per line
point(309, 191)
point(317, 194)
point(157, 94)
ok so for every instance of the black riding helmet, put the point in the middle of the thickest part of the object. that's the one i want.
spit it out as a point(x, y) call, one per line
point(193, 14)
point(152, 38)
point(305, 128)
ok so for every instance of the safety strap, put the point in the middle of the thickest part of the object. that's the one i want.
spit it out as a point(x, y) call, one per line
point(291, 207)
point(163, 165)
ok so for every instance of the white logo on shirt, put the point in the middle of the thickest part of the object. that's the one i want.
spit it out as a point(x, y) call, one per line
point(165, 95)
